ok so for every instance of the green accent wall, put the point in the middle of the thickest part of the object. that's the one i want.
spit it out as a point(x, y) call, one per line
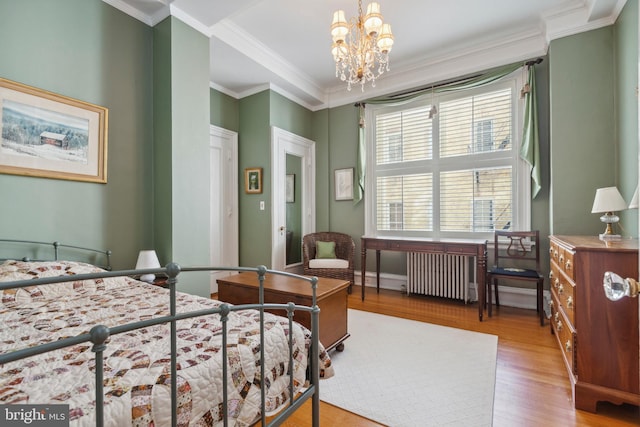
point(258, 113)
point(583, 132)
point(224, 111)
point(182, 154)
point(626, 106)
point(99, 55)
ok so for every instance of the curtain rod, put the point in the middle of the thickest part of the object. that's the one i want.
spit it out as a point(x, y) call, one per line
point(447, 82)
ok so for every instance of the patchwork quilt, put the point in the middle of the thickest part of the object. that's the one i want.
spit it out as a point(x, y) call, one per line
point(137, 371)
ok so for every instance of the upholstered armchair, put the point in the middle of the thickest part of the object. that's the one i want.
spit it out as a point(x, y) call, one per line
point(329, 254)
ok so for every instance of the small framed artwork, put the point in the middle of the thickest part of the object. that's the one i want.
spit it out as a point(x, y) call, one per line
point(290, 190)
point(253, 180)
point(344, 184)
point(51, 136)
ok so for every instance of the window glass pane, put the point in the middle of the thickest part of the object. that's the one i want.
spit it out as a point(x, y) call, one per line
point(405, 202)
point(476, 124)
point(403, 136)
point(475, 200)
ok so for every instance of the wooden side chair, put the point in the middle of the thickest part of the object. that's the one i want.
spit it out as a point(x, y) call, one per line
point(519, 261)
point(329, 254)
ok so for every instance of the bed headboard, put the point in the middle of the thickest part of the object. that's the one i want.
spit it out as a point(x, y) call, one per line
point(28, 250)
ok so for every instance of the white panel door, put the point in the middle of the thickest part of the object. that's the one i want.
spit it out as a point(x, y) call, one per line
point(224, 246)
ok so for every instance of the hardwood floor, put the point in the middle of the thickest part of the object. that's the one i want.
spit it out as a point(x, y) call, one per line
point(532, 387)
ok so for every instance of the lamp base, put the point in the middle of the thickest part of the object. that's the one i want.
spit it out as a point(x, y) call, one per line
point(148, 278)
point(607, 237)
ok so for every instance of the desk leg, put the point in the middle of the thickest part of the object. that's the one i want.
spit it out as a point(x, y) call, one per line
point(363, 278)
point(482, 276)
point(378, 270)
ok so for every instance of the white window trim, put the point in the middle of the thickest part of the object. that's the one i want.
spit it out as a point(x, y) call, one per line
point(521, 178)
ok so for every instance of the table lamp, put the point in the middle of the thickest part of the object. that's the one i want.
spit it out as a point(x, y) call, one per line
point(633, 204)
point(147, 259)
point(608, 200)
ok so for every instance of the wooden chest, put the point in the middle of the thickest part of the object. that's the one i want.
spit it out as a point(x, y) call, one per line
point(331, 296)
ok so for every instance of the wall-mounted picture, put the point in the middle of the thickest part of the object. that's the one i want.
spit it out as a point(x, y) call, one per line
point(52, 136)
point(253, 180)
point(344, 184)
point(290, 189)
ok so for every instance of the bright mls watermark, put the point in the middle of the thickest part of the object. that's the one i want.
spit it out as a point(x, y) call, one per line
point(34, 415)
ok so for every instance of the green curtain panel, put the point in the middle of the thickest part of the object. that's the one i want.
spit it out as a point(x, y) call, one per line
point(530, 149)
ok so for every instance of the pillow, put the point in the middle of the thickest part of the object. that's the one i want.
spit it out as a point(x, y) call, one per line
point(328, 263)
point(325, 249)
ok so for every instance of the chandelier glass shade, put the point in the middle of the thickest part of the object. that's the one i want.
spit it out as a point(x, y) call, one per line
point(361, 45)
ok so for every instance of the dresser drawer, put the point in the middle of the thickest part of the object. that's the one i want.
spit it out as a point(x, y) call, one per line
point(564, 259)
point(565, 334)
point(565, 292)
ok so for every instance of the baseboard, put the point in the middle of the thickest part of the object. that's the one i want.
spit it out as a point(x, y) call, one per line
point(509, 296)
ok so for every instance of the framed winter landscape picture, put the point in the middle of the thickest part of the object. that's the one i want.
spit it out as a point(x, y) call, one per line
point(49, 135)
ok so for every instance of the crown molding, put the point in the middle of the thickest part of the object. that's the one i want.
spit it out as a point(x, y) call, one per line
point(240, 40)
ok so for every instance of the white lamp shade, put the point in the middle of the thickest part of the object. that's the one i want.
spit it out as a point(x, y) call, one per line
point(339, 26)
point(385, 40)
point(147, 259)
point(608, 199)
point(373, 19)
point(634, 200)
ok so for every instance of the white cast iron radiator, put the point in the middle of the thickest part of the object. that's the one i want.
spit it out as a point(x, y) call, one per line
point(438, 275)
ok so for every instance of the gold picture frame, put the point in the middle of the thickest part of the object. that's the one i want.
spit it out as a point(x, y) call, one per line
point(62, 137)
point(253, 180)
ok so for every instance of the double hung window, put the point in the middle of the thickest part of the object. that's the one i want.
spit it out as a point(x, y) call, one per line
point(455, 174)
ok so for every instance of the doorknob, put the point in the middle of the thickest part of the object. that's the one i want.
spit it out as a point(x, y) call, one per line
point(615, 287)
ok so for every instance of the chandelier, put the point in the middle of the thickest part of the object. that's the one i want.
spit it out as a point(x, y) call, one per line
point(361, 46)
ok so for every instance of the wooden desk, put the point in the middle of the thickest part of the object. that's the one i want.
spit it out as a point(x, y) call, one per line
point(471, 247)
point(331, 297)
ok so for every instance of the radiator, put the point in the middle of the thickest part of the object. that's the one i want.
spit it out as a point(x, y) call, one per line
point(440, 275)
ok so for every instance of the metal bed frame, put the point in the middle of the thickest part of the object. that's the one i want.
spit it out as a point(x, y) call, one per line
point(106, 254)
point(100, 333)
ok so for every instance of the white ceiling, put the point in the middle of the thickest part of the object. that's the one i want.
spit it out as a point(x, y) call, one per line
point(285, 44)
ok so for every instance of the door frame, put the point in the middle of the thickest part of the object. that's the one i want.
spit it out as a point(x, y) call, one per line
point(283, 143)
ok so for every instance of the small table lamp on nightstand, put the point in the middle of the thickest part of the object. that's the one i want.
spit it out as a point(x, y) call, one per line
point(608, 200)
point(147, 259)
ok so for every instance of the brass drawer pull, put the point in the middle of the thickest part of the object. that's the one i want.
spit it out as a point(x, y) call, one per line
point(567, 346)
point(551, 304)
point(556, 316)
point(560, 289)
point(567, 265)
point(559, 326)
point(556, 282)
point(570, 302)
point(561, 259)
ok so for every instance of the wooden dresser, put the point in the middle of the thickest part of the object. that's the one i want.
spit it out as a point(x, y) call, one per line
point(598, 337)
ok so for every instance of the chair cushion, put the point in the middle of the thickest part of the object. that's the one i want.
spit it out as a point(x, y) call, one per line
point(328, 263)
point(325, 249)
point(515, 272)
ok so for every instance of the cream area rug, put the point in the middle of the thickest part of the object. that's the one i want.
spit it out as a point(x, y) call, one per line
point(402, 372)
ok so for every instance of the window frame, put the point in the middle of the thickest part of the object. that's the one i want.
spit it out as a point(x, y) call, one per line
point(521, 175)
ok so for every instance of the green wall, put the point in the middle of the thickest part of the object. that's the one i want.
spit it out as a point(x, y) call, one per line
point(626, 106)
point(96, 54)
point(224, 111)
point(190, 164)
point(594, 138)
point(258, 113)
